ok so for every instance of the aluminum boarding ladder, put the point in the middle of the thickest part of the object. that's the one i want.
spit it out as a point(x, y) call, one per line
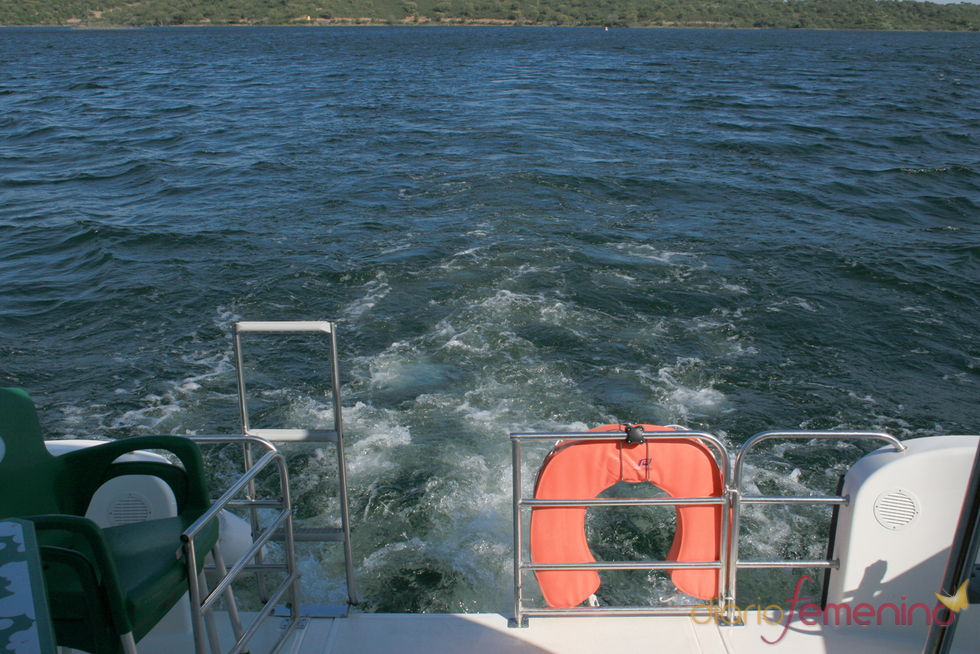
point(335, 435)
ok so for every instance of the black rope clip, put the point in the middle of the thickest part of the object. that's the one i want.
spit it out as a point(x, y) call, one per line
point(634, 434)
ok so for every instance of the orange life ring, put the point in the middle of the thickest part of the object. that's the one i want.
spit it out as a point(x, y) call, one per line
point(583, 469)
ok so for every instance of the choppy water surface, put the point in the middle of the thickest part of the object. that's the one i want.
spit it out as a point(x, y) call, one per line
point(517, 230)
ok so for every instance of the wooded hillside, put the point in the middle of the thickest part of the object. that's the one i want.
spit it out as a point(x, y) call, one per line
point(812, 14)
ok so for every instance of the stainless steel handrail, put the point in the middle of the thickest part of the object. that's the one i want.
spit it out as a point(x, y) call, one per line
point(519, 502)
point(201, 606)
point(625, 565)
point(737, 499)
point(628, 501)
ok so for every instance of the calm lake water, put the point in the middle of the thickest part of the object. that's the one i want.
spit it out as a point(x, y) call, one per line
point(517, 230)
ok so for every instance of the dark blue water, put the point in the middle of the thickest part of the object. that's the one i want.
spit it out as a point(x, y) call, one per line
point(517, 229)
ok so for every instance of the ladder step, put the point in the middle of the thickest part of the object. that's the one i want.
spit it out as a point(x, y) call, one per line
point(307, 435)
point(308, 535)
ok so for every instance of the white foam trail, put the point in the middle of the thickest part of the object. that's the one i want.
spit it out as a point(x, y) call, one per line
point(375, 291)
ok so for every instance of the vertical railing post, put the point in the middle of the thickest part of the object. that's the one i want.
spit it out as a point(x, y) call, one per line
point(197, 617)
point(288, 543)
point(253, 513)
point(726, 593)
point(342, 467)
point(735, 504)
point(518, 535)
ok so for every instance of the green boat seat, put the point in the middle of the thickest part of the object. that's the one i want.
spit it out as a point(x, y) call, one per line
point(106, 587)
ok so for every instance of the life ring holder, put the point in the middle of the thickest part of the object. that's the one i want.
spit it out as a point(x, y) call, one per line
point(581, 469)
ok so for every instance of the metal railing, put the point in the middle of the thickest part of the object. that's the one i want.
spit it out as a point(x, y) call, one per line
point(521, 566)
point(201, 607)
point(738, 499)
point(732, 500)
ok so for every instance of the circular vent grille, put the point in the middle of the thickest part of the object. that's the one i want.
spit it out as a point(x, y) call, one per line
point(128, 508)
point(896, 509)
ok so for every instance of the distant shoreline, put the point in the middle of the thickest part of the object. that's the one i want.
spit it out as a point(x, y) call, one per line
point(473, 24)
point(865, 15)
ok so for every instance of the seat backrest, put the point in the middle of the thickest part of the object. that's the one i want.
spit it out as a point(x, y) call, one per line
point(29, 474)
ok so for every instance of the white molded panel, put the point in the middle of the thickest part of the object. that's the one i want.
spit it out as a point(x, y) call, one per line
point(893, 537)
